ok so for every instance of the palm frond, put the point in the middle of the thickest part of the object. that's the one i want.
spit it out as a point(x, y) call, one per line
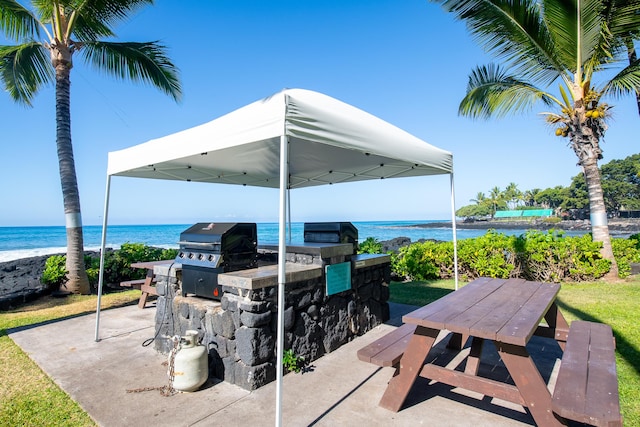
point(622, 17)
point(93, 19)
point(17, 22)
point(491, 91)
point(514, 30)
point(625, 82)
point(145, 62)
point(24, 69)
point(584, 43)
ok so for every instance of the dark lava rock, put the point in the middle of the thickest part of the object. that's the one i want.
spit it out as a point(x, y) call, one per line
point(20, 281)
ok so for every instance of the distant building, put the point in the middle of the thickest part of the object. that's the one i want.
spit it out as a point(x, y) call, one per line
point(629, 214)
point(523, 214)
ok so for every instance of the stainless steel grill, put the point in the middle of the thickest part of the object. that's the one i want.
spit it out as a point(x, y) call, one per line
point(331, 232)
point(208, 249)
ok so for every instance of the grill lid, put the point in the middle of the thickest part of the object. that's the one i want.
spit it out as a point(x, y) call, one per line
point(331, 232)
point(225, 245)
point(231, 237)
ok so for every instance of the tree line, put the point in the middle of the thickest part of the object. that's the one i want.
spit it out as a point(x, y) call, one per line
point(620, 184)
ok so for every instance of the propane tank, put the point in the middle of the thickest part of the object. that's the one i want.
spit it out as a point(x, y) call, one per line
point(191, 368)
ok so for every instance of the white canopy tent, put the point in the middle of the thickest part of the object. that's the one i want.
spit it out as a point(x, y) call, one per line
point(293, 139)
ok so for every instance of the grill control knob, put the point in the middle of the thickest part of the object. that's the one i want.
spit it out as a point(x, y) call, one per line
point(211, 257)
point(200, 256)
point(191, 256)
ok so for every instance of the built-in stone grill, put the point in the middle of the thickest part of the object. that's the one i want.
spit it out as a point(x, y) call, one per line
point(240, 330)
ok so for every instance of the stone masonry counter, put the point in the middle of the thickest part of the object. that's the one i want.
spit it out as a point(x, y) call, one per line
point(239, 331)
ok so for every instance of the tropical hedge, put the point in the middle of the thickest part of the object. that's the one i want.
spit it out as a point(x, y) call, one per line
point(536, 255)
point(117, 264)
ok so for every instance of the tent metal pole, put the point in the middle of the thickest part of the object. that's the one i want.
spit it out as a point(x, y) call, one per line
point(282, 254)
point(289, 212)
point(103, 243)
point(455, 233)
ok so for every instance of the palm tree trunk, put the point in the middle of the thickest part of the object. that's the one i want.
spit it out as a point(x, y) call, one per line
point(599, 224)
point(77, 280)
point(631, 53)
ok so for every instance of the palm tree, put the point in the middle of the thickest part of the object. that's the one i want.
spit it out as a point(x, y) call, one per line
point(495, 197)
point(513, 195)
point(48, 35)
point(555, 41)
point(480, 198)
point(529, 197)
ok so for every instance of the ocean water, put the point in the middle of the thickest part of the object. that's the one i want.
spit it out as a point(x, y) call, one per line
point(23, 242)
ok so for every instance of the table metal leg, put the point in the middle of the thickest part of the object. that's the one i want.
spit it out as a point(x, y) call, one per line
point(410, 366)
point(529, 382)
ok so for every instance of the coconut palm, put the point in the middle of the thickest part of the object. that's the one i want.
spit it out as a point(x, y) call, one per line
point(480, 198)
point(544, 43)
point(496, 198)
point(48, 34)
point(529, 197)
point(512, 195)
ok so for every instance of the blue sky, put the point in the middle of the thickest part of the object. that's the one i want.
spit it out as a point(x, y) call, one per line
point(406, 62)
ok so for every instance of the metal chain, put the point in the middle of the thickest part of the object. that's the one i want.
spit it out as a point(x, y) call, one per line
point(165, 390)
point(168, 390)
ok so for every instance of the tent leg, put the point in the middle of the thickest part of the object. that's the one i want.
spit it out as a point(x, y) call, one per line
point(282, 254)
point(455, 232)
point(102, 248)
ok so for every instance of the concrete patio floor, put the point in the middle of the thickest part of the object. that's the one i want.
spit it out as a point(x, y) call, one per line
point(340, 390)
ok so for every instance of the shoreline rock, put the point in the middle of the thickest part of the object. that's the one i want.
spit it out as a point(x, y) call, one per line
point(20, 281)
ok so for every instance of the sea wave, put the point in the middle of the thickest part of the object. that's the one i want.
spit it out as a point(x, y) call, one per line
point(28, 253)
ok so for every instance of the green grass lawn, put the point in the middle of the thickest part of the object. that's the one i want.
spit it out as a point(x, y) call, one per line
point(615, 304)
point(28, 397)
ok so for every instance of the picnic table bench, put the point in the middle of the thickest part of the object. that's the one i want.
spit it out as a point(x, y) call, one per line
point(587, 385)
point(146, 285)
point(507, 312)
point(388, 350)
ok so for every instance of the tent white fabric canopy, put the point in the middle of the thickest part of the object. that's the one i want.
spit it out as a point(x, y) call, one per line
point(293, 139)
point(328, 142)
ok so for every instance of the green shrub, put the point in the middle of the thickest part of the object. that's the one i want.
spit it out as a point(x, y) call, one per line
point(55, 271)
point(552, 220)
point(424, 260)
point(490, 255)
point(92, 266)
point(536, 255)
point(291, 362)
point(626, 251)
point(370, 246)
point(552, 257)
point(117, 264)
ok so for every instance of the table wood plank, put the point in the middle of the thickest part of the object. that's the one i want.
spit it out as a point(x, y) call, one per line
point(377, 350)
point(436, 314)
point(491, 314)
point(574, 363)
point(523, 324)
point(442, 303)
point(600, 388)
point(151, 264)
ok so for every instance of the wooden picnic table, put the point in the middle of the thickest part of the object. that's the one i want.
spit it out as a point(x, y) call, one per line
point(146, 285)
point(506, 311)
